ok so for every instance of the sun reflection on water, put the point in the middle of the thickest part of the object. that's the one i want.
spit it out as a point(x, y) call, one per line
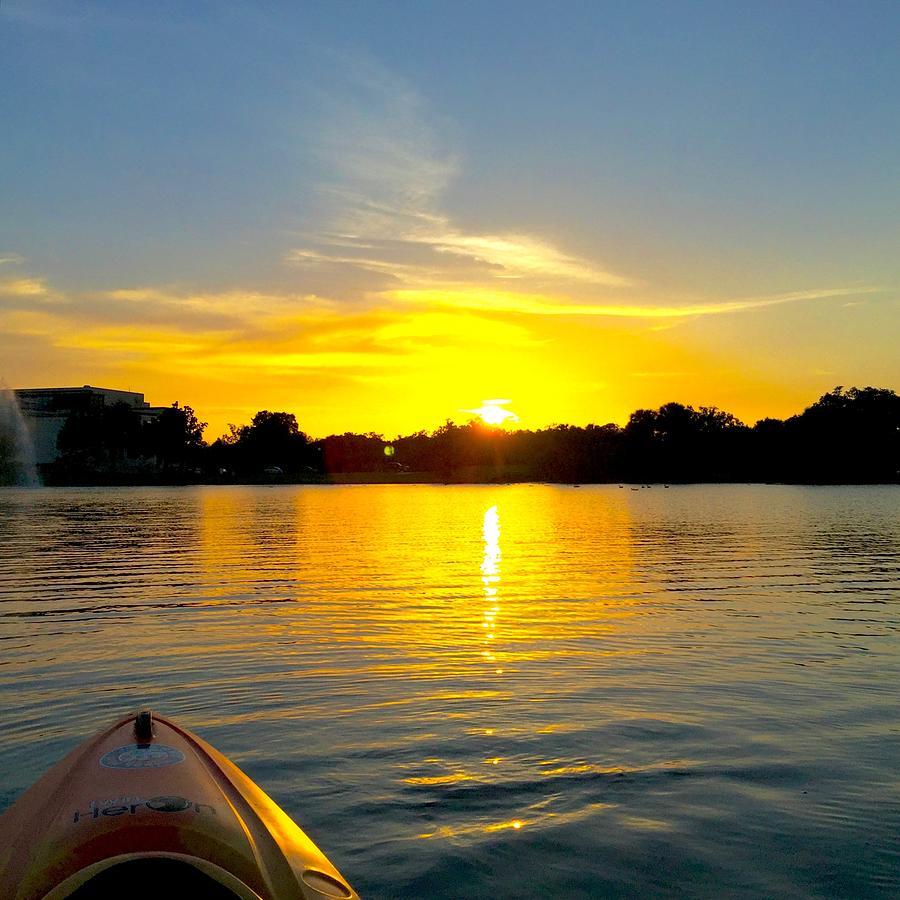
point(490, 579)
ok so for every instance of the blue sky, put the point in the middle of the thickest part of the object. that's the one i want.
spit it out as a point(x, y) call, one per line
point(161, 160)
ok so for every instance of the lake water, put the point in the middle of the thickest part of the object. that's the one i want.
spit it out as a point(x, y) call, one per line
point(506, 691)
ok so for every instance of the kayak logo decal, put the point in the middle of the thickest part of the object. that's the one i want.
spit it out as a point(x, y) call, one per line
point(130, 806)
point(141, 756)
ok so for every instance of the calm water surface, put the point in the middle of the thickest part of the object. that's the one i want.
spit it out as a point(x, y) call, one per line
point(491, 691)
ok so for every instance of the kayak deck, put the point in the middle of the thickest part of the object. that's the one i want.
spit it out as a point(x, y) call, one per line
point(146, 806)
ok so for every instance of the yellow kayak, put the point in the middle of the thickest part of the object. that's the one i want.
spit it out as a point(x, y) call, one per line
point(145, 808)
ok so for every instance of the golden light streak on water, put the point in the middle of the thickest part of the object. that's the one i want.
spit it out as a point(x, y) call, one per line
point(490, 580)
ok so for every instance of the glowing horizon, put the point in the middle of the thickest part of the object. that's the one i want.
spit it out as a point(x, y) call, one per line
point(273, 347)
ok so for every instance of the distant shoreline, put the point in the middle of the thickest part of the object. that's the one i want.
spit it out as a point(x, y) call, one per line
point(848, 436)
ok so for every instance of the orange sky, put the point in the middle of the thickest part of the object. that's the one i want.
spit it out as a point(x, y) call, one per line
point(411, 358)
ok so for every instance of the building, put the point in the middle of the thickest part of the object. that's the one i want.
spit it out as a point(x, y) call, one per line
point(45, 411)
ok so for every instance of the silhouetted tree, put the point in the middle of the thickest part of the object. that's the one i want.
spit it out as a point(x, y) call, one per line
point(175, 438)
point(354, 453)
point(272, 439)
point(680, 443)
point(766, 451)
point(846, 436)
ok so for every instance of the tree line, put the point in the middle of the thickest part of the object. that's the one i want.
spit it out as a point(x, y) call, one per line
point(847, 436)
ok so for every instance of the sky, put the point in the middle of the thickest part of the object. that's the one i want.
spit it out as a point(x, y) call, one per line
point(379, 215)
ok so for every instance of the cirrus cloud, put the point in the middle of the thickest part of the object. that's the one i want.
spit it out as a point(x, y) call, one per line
point(381, 210)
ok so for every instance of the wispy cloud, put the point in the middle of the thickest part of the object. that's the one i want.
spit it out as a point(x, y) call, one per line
point(533, 305)
point(519, 255)
point(24, 287)
point(26, 290)
point(382, 209)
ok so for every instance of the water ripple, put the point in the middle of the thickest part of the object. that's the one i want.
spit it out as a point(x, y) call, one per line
point(509, 690)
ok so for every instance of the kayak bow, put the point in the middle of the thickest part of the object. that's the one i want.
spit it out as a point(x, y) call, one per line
point(145, 807)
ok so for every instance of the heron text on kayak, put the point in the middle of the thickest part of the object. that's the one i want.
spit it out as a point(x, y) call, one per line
point(122, 806)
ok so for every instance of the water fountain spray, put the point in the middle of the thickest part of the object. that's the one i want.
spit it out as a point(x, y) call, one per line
point(17, 460)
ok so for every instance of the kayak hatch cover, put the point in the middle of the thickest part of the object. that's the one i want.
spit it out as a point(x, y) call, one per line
point(145, 808)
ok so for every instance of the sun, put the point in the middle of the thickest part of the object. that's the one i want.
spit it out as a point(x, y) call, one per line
point(492, 412)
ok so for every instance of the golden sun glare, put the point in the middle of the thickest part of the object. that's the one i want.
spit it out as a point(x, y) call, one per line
point(492, 412)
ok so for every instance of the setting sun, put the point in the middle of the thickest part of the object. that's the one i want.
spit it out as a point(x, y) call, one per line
point(492, 412)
